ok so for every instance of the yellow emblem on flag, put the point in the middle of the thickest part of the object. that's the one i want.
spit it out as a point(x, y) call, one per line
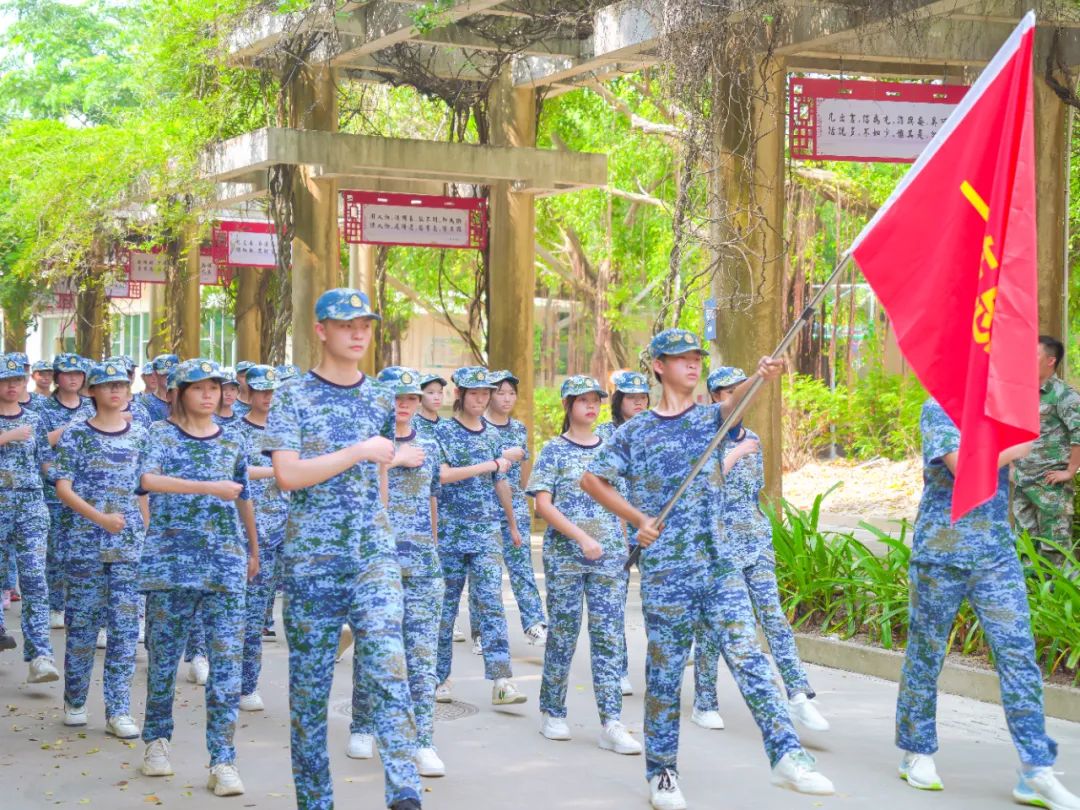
point(984, 317)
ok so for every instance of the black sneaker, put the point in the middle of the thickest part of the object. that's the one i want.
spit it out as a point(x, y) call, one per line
point(406, 804)
point(7, 642)
point(269, 633)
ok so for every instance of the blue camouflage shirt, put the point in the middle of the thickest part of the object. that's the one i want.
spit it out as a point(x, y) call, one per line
point(194, 541)
point(139, 415)
point(982, 535)
point(157, 409)
point(271, 503)
point(56, 415)
point(747, 530)
point(470, 515)
point(425, 427)
point(654, 453)
point(410, 492)
point(241, 409)
point(20, 462)
point(336, 525)
point(103, 469)
point(512, 434)
point(558, 470)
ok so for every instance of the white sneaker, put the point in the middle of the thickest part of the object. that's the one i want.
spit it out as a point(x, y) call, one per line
point(804, 711)
point(665, 791)
point(918, 770)
point(345, 641)
point(477, 646)
point(458, 634)
point(361, 746)
point(1041, 788)
point(122, 726)
point(198, 670)
point(505, 693)
point(225, 780)
point(56, 620)
point(428, 762)
point(102, 639)
point(42, 670)
point(537, 635)
point(710, 720)
point(554, 728)
point(615, 737)
point(142, 632)
point(73, 716)
point(442, 692)
point(797, 771)
point(626, 686)
point(251, 703)
point(155, 761)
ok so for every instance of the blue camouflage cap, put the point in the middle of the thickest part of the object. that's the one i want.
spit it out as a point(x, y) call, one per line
point(243, 366)
point(163, 363)
point(195, 370)
point(148, 368)
point(403, 380)
point(725, 377)
point(230, 377)
point(581, 384)
point(20, 357)
point(674, 341)
point(288, 371)
point(263, 378)
point(68, 362)
point(121, 360)
point(343, 304)
point(630, 382)
point(472, 377)
point(426, 379)
point(10, 367)
point(106, 372)
point(42, 365)
point(501, 376)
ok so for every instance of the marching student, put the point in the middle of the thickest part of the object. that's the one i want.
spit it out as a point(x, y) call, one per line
point(584, 554)
point(749, 533)
point(25, 454)
point(227, 413)
point(327, 432)
point(243, 397)
point(156, 401)
point(473, 499)
point(431, 399)
point(974, 558)
point(411, 484)
point(42, 374)
point(96, 473)
point(64, 407)
point(688, 579)
point(196, 565)
point(149, 379)
point(512, 442)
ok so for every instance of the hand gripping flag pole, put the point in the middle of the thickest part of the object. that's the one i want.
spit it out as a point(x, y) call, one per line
point(744, 401)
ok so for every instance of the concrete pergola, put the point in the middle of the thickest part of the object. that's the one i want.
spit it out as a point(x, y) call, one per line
point(949, 39)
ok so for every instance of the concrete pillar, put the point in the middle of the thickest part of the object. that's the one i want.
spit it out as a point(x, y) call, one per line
point(749, 281)
point(362, 277)
point(1052, 120)
point(511, 238)
point(248, 314)
point(189, 315)
point(315, 246)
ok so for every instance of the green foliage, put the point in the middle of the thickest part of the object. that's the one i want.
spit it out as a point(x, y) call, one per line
point(547, 416)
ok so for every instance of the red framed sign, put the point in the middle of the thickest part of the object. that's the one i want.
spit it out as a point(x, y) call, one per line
point(242, 243)
point(148, 267)
point(882, 122)
point(417, 220)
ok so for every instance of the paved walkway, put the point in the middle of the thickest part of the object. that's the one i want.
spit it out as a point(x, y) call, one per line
point(497, 759)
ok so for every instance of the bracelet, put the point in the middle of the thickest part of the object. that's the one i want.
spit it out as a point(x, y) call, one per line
point(496, 470)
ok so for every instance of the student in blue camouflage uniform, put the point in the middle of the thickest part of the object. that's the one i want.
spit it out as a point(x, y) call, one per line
point(96, 473)
point(431, 399)
point(584, 554)
point(243, 396)
point(412, 485)
point(24, 454)
point(327, 432)
point(512, 442)
point(974, 558)
point(227, 413)
point(149, 379)
point(689, 582)
point(629, 398)
point(473, 500)
point(749, 534)
point(195, 560)
point(42, 374)
point(134, 411)
point(155, 401)
point(288, 371)
point(271, 512)
point(9, 573)
point(65, 407)
point(21, 359)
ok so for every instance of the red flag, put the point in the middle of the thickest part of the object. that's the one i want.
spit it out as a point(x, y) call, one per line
point(952, 257)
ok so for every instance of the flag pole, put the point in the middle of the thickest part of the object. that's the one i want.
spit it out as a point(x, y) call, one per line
point(744, 402)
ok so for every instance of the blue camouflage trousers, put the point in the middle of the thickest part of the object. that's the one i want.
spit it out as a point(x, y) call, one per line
point(59, 520)
point(259, 593)
point(315, 608)
point(196, 640)
point(679, 604)
point(169, 614)
point(485, 582)
point(519, 567)
point(9, 569)
point(423, 597)
point(566, 592)
point(24, 532)
point(998, 596)
point(101, 595)
point(624, 657)
point(760, 581)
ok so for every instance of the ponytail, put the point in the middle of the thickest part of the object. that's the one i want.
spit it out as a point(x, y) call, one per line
point(568, 405)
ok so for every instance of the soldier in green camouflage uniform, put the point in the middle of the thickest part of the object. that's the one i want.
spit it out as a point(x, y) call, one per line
point(1045, 479)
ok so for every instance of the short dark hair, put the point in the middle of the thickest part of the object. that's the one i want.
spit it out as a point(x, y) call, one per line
point(1054, 347)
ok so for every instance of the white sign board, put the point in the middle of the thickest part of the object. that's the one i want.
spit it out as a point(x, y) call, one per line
point(403, 224)
point(252, 249)
point(896, 130)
